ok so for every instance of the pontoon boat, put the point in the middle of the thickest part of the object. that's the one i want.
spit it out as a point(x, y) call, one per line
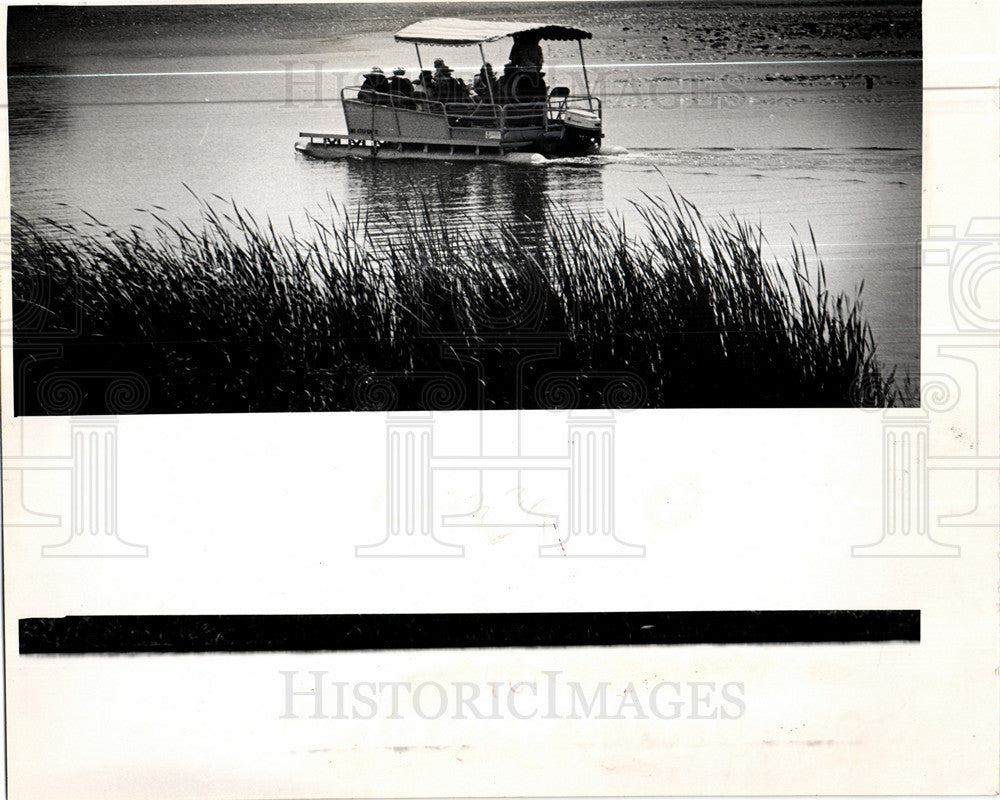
point(513, 118)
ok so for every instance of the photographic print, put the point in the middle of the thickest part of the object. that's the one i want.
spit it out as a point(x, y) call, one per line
point(481, 399)
point(225, 208)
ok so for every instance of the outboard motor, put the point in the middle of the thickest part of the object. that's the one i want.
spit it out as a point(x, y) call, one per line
point(583, 131)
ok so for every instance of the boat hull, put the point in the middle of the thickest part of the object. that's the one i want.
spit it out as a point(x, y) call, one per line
point(335, 149)
point(457, 131)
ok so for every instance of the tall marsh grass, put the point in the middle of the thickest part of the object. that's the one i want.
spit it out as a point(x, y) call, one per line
point(233, 315)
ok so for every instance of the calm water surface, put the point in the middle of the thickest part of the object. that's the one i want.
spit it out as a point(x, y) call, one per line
point(791, 146)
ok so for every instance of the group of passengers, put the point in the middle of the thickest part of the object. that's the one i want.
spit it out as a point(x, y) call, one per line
point(522, 81)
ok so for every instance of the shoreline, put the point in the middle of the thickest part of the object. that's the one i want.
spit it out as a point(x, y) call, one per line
point(688, 31)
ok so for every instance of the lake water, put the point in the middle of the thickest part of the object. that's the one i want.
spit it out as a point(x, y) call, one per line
point(793, 115)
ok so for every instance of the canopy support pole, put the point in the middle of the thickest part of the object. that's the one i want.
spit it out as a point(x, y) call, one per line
point(420, 65)
point(586, 83)
point(489, 82)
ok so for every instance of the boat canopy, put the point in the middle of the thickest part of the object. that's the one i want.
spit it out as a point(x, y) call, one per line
point(450, 31)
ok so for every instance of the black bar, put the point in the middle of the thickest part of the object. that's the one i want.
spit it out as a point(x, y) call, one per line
point(232, 633)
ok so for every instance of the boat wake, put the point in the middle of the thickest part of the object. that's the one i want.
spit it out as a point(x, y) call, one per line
point(610, 154)
point(842, 160)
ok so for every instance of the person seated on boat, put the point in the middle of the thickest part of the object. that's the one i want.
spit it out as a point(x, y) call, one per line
point(503, 83)
point(423, 88)
point(520, 85)
point(401, 89)
point(448, 88)
point(526, 52)
point(486, 86)
point(536, 88)
point(464, 90)
point(375, 88)
point(525, 89)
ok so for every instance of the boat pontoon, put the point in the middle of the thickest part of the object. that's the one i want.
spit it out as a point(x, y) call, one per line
point(514, 118)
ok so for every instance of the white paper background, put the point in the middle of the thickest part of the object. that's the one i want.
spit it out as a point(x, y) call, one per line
point(736, 509)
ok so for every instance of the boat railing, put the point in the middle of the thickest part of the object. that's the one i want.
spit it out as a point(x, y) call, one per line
point(525, 115)
point(416, 102)
point(469, 113)
point(581, 102)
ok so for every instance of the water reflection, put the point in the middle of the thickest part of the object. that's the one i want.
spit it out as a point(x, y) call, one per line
point(519, 200)
point(466, 195)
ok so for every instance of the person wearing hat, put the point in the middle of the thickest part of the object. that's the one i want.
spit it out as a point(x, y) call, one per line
point(446, 88)
point(504, 82)
point(486, 86)
point(423, 87)
point(526, 52)
point(375, 84)
point(401, 89)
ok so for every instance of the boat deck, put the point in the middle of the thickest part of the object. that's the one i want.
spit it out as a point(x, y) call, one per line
point(336, 146)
